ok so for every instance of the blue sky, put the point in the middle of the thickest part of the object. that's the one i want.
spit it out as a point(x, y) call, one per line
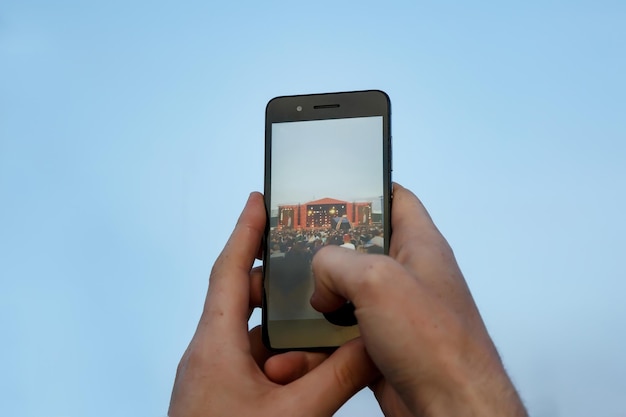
point(132, 133)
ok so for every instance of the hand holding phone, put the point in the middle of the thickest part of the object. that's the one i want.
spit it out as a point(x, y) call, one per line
point(418, 323)
point(222, 372)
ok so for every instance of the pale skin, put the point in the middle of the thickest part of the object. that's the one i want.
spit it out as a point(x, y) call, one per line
point(423, 350)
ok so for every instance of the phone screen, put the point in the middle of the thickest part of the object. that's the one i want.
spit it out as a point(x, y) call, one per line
point(327, 188)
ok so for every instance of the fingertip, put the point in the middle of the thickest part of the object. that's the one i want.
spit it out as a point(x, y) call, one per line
point(256, 287)
point(255, 195)
point(286, 367)
point(255, 200)
point(254, 216)
point(407, 207)
point(401, 191)
point(326, 302)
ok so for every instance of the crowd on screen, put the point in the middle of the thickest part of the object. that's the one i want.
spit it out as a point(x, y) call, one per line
point(305, 243)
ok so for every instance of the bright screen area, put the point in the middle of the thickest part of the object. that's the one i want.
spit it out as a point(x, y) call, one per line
point(327, 189)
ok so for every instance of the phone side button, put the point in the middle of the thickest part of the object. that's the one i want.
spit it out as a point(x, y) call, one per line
point(389, 152)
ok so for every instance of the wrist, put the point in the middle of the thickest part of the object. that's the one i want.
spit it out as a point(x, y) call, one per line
point(482, 389)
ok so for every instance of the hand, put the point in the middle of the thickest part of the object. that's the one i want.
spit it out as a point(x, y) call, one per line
point(222, 371)
point(418, 322)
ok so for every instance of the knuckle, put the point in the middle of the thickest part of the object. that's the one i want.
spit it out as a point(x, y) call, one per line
point(422, 247)
point(191, 362)
point(346, 378)
point(180, 369)
point(195, 358)
point(200, 358)
point(377, 273)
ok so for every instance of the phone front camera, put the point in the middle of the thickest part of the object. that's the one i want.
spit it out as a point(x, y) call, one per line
point(299, 108)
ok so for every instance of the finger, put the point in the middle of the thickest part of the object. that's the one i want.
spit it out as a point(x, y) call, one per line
point(411, 225)
point(366, 280)
point(287, 367)
point(329, 385)
point(256, 288)
point(391, 404)
point(226, 307)
point(417, 244)
point(395, 312)
point(257, 349)
point(378, 286)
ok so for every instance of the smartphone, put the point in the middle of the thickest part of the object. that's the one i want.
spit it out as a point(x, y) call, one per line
point(327, 182)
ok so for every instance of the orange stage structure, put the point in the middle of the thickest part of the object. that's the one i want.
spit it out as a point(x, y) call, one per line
point(324, 213)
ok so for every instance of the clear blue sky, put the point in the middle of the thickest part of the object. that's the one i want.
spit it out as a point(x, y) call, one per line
point(132, 132)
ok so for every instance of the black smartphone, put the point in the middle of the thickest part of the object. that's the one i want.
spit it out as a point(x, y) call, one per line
point(327, 182)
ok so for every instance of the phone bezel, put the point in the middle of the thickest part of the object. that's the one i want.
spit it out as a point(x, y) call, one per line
point(322, 107)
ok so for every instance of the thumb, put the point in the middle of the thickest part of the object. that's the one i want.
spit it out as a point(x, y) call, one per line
point(332, 383)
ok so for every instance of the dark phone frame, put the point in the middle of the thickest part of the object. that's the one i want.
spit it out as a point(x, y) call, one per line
point(322, 107)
